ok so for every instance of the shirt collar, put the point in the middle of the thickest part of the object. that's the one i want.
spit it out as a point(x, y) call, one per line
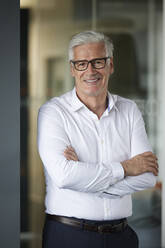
point(77, 104)
point(112, 100)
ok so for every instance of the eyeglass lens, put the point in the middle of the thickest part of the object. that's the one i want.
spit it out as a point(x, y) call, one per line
point(96, 63)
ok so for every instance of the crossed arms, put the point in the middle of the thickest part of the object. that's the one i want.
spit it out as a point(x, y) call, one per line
point(134, 169)
point(66, 171)
point(139, 164)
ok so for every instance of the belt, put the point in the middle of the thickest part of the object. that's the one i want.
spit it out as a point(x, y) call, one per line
point(93, 227)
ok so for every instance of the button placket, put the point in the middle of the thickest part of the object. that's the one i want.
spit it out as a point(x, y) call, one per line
point(101, 141)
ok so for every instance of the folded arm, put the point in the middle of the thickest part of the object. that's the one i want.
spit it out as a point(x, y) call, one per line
point(140, 170)
point(70, 174)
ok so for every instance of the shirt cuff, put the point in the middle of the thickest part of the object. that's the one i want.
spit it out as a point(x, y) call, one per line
point(117, 171)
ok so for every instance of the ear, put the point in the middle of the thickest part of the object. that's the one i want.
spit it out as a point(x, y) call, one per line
point(72, 70)
point(111, 66)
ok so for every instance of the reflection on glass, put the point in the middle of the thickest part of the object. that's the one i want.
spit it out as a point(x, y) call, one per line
point(135, 28)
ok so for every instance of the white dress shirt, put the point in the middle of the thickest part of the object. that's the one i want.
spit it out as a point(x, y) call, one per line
point(94, 187)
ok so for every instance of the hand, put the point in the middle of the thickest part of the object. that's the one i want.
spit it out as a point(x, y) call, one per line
point(144, 162)
point(70, 154)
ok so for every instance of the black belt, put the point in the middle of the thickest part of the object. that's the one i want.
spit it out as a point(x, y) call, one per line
point(96, 227)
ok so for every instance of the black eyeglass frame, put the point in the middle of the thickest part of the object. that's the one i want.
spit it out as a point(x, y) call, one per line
point(90, 61)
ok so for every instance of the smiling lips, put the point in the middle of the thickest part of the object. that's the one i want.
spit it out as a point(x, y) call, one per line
point(92, 81)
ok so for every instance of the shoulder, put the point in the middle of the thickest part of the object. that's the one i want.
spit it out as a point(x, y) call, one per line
point(127, 108)
point(56, 105)
point(124, 104)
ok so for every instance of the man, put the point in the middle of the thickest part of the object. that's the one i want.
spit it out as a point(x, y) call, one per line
point(95, 153)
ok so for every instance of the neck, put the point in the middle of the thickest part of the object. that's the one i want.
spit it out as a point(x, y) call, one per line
point(97, 104)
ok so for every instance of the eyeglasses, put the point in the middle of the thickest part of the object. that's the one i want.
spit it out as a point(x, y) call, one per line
point(82, 65)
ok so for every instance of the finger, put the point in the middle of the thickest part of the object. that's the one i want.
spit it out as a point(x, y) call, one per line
point(153, 164)
point(146, 153)
point(70, 155)
point(71, 158)
point(150, 167)
point(149, 155)
point(152, 159)
point(154, 171)
point(70, 148)
point(70, 152)
point(149, 161)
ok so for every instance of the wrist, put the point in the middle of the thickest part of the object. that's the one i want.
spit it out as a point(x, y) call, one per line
point(124, 165)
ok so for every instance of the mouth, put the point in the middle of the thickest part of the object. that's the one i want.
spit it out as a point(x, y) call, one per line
point(92, 81)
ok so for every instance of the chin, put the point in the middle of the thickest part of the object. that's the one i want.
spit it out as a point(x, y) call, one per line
point(93, 93)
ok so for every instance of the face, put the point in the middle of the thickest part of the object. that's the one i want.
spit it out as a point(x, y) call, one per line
point(91, 82)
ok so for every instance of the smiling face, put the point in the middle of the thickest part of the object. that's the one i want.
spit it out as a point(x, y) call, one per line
point(91, 82)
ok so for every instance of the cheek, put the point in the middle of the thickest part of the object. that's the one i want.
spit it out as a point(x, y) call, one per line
point(106, 75)
point(80, 75)
point(72, 71)
point(106, 79)
point(74, 74)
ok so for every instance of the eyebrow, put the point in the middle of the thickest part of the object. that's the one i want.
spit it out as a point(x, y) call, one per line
point(88, 60)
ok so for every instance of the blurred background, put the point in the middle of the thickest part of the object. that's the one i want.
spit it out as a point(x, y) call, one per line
point(136, 28)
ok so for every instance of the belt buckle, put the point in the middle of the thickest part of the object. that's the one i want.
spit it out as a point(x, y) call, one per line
point(100, 228)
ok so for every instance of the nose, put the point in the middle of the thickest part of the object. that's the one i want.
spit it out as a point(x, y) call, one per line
point(90, 68)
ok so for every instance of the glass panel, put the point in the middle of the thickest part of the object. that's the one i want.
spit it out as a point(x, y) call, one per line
point(55, 77)
point(135, 27)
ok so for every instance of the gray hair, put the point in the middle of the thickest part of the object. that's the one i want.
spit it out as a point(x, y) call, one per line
point(90, 37)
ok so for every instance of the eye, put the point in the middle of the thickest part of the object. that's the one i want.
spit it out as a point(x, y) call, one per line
point(81, 64)
point(98, 62)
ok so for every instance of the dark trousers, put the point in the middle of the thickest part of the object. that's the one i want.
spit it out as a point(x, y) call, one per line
point(59, 235)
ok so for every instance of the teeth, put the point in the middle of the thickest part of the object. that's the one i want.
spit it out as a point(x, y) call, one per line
point(92, 80)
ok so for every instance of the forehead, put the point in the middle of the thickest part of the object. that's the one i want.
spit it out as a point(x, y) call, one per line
point(89, 51)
